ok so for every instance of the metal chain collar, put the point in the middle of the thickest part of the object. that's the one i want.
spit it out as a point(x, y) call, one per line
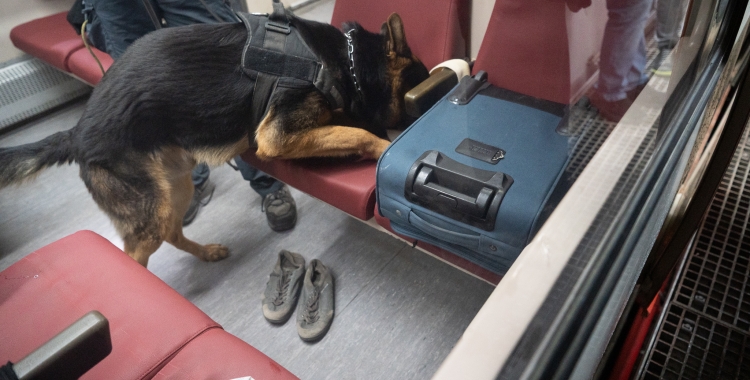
point(350, 50)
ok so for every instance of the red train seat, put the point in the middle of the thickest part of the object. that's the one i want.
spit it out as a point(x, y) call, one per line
point(155, 331)
point(50, 39)
point(84, 66)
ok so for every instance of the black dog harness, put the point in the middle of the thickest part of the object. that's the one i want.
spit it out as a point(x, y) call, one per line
point(275, 55)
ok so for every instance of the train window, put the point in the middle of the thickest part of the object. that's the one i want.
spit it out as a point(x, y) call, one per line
point(646, 110)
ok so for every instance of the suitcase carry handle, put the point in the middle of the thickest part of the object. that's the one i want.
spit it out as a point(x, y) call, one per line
point(465, 240)
point(450, 188)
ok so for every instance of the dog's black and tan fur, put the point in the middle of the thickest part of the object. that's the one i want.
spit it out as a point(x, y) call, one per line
point(178, 96)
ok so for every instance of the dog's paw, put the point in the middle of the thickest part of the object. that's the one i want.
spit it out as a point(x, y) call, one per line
point(377, 149)
point(215, 252)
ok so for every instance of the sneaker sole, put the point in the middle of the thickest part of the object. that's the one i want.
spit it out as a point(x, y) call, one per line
point(319, 336)
point(279, 321)
point(285, 318)
point(284, 227)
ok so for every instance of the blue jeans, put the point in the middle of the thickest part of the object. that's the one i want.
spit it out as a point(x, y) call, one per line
point(670, 16)
point(115, 24)
point(262, 183)
point(623, 55)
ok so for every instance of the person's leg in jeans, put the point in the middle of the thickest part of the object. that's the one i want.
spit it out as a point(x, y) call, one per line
point(114, 24)
point(187, 12)
point(670, 17)
point(623, 56)
point(278, 204)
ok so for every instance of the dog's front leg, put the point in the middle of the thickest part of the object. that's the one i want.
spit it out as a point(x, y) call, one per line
point(300, 125)
point(328, 141)
point(306, 132)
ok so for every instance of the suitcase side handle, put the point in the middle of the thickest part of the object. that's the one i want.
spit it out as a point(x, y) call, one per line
point(450, 188)
point(464, 240)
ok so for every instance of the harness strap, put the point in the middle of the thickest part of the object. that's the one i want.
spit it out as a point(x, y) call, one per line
point(151, 14)
point(264, 86)
point(275, 55)
point(279, 13)
point(266, 51)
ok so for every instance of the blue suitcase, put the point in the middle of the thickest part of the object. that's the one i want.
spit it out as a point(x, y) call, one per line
point(473, 175)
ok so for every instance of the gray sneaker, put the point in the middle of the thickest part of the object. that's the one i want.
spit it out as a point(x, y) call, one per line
point(280, 209)
point(201, 196)
point(315, 309)
point(282, 289)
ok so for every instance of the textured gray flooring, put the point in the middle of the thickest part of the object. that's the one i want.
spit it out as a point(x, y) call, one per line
point(398, 311)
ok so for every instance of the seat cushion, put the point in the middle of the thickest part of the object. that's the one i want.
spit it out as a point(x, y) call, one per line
point(346, 184)
point(436, 30)
point(84, 66)
point(50, 39)
point(51, 288)
point(216, 354)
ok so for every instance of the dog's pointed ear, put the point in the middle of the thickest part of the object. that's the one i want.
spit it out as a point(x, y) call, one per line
point(393, 29)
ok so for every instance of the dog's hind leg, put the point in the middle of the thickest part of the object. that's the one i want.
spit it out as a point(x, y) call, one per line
point(146, 199)
point(130, 199)
point(141, 250)
point(181, 192)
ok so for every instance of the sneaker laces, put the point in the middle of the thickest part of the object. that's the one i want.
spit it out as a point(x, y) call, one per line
point(311, 314)
point(311, 310)
point(280, 296)
point(271, 198)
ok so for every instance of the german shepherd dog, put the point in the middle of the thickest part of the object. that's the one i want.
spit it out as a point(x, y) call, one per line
point(178, 96)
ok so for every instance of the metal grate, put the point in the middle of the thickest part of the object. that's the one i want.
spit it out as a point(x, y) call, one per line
point(706, 332)
point(590, 130)
point(30, 87)
point(692, 346)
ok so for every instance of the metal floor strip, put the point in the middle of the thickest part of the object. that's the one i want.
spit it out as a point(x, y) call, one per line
point(31, 87)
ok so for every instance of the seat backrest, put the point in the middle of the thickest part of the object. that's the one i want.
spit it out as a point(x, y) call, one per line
point(525, 49)
point(541, 48)
point(436, 30)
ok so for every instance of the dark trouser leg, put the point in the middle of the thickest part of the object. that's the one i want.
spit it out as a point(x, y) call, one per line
point(114, 24)
point(262, 183)
point(187, 12)
point(200, 174)
point(204, 189)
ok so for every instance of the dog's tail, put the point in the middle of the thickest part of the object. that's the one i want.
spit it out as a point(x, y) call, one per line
point(21, 162)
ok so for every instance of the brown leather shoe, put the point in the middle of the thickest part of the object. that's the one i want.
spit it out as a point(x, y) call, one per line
point(633, 94)
point(612, 111)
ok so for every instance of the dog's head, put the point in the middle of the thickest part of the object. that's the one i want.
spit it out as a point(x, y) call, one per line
point(386, 69)
point(404, 71)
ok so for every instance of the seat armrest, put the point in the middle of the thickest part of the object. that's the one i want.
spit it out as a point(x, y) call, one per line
point(442, 79)
point(426, 94)
point(71, 353)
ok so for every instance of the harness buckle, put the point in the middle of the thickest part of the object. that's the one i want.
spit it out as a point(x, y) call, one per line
point(277, 27)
